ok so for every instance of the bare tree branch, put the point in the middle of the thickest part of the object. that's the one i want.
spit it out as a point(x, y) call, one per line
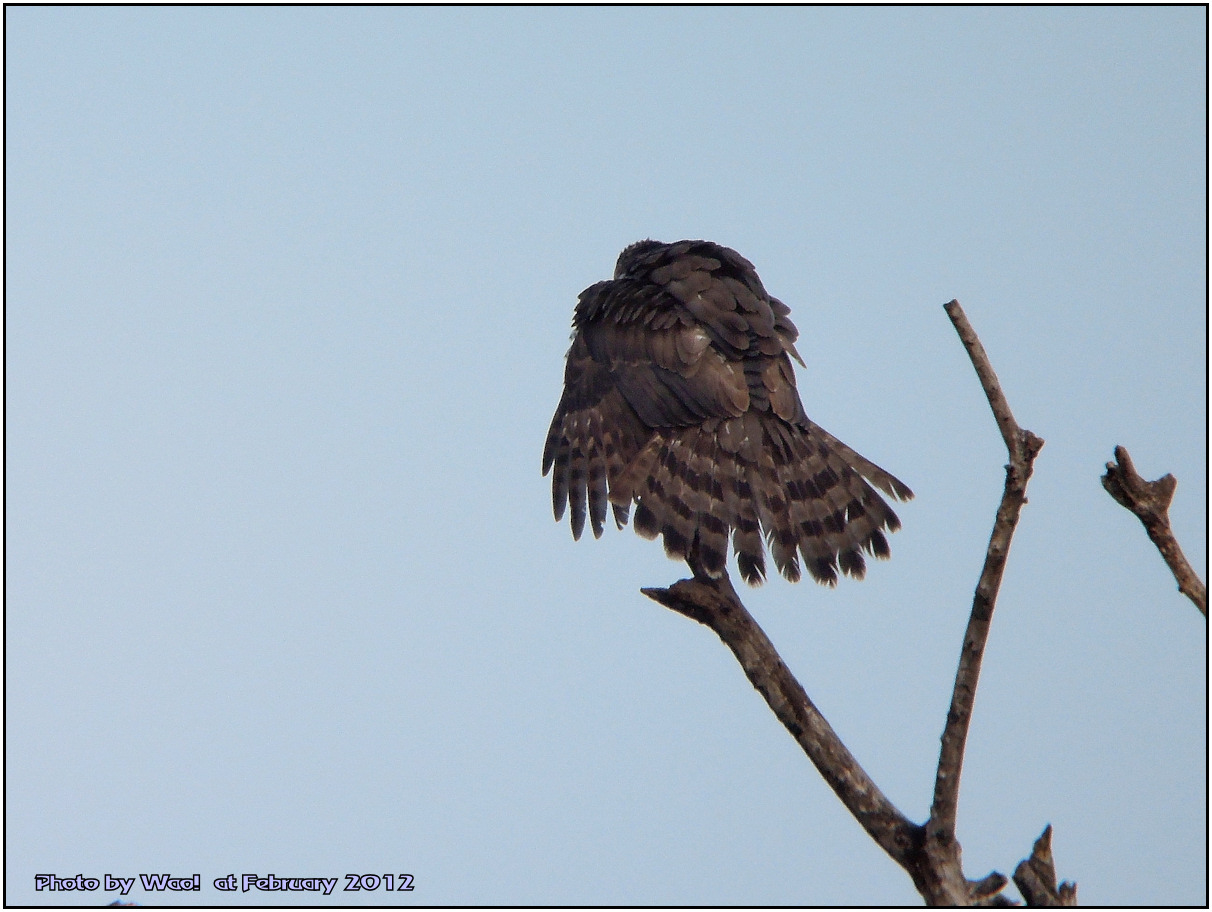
point(714, 602)
point(1150, 501)
point(1023, 446)
point(988, 890)
point(1035, 877)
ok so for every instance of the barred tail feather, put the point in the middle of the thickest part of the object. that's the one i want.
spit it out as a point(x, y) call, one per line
point(710, 537)
point(738, 480)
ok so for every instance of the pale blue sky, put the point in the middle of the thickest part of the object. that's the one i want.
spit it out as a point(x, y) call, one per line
point(287, 300)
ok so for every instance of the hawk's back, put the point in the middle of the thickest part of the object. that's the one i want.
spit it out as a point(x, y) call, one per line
point(679, 397)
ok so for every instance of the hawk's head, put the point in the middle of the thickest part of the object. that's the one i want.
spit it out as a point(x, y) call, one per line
point(631, 256)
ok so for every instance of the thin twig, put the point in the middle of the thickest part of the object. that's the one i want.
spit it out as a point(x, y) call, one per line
point(1150, 501)
point(1023, 446)
point(984, 372)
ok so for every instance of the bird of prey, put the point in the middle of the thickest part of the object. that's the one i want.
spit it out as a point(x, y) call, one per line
point(679, 397)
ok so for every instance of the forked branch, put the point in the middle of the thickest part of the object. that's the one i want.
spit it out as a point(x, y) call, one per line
point(1150, 501)
point(930, 853)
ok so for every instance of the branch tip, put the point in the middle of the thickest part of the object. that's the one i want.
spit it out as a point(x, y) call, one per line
point(1150, 502)
point(1035, 877)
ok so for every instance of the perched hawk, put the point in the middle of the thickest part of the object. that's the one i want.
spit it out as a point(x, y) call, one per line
point(679, 395)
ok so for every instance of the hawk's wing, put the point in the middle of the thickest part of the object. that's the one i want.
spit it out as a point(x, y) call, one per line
point(642, 359)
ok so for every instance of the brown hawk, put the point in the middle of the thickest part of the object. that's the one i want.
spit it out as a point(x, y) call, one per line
point(679, 395)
